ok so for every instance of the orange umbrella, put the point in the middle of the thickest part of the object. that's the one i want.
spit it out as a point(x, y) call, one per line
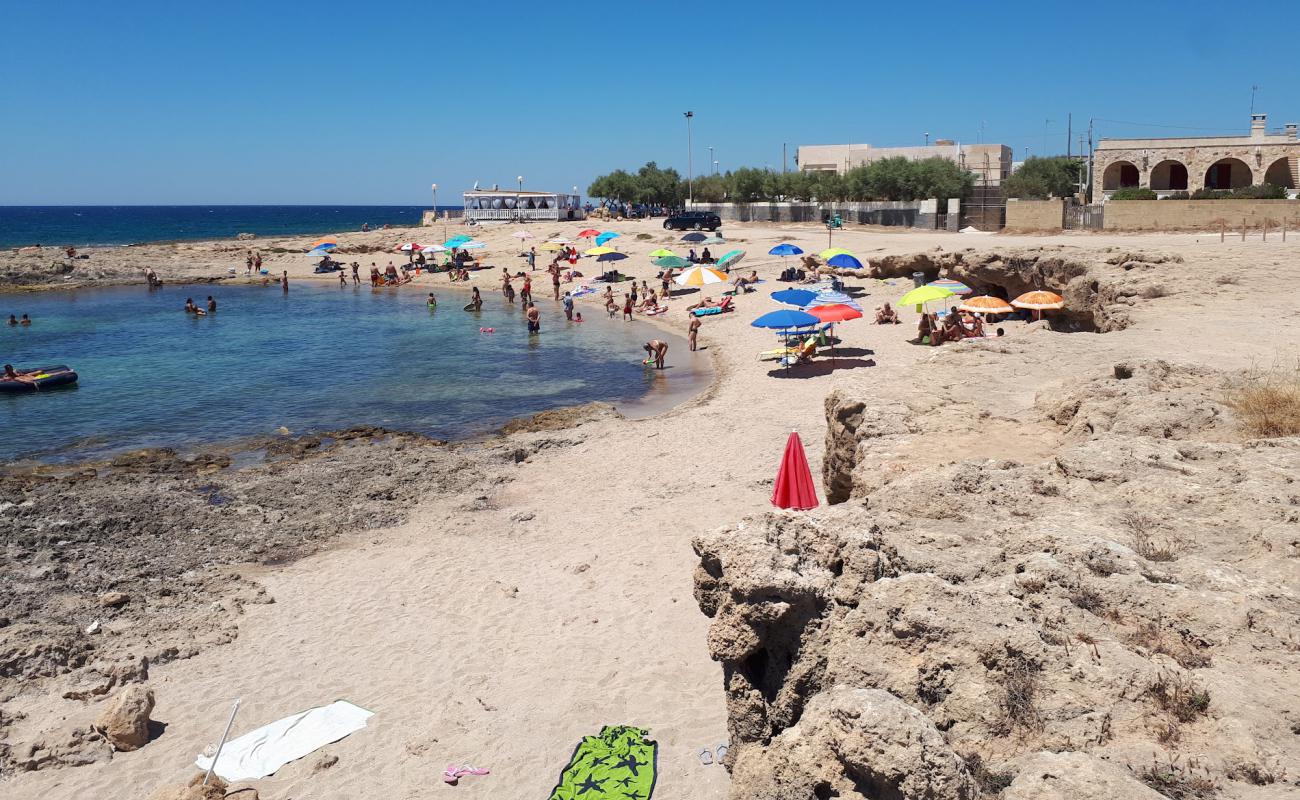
point(984, 304)
point(834, 312)
point(1039, 301)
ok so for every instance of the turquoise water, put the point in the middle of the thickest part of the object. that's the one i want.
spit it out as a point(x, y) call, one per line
point(319, 358)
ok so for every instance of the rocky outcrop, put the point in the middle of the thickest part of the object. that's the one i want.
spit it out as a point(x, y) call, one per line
point(1130, 593)
point(125, 721)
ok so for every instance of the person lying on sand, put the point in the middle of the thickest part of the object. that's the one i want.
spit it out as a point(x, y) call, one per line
point(705, 303)
point(886, 315)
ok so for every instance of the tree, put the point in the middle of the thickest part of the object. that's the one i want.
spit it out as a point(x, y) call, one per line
point(1041, 178)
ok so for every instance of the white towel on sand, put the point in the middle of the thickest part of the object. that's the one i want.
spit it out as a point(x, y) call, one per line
point(261, 752)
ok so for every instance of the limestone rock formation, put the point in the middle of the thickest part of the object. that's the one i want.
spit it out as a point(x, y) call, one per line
point(125, 721)
point(1074, 776)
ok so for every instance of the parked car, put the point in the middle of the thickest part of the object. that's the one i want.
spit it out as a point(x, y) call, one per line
point(694, 220)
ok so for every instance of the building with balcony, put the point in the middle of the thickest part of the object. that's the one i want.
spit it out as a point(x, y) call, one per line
point(991, 163)
point(1189, 163)
point(509, 205)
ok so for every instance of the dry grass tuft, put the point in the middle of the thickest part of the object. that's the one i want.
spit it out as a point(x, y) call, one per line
point(1173, 780)
point(1267, 401)
point(1180, 696)
point(1020, 692)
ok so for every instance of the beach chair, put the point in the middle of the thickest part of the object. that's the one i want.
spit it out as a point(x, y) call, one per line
point(803, 354)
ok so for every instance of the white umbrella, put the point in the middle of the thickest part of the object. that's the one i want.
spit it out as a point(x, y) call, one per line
point(522, 235)
point(433, 248)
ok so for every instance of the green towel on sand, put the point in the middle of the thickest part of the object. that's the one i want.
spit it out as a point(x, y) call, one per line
point(619, 764)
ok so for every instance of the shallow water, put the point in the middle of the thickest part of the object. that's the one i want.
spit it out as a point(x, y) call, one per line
point(319, 358)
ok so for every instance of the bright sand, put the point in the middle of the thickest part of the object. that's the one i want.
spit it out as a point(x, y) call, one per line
point(501, 636)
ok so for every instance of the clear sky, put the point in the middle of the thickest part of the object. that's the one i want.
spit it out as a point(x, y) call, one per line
point(332, 102)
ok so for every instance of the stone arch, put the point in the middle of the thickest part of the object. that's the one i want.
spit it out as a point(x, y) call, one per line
point(1282, 172)
point(1169, 175)
point(1228, 173)
point(1120, 175)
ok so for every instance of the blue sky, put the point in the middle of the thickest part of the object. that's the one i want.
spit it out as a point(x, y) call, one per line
point(332, 102)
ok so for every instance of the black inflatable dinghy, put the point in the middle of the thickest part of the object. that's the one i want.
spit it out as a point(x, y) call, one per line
point(41, 379)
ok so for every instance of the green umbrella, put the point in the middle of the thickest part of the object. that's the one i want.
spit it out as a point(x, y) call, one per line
point(924, 294)
point(731, 259)
point(671, 262)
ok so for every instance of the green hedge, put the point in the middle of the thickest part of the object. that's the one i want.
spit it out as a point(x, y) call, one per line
point(1267, 191)
point(1133, 194)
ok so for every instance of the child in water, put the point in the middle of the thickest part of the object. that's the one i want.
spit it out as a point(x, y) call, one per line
point(432, 302)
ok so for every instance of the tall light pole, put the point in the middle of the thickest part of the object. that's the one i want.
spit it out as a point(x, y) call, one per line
point(519, 211)
point(715, 168)
point(927, 138)
point(690, 165)
point(711, 161)
point(435, 200)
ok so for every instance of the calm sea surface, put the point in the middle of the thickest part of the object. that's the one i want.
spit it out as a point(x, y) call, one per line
point(319, 358)
point(83, 226)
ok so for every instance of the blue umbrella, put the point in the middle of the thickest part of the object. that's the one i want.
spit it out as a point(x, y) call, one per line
point(319, 251)
point(844, 261)
point(611, 257)
point(785, 318)
point(784, 250)
point(605, 237)
point(794, 297)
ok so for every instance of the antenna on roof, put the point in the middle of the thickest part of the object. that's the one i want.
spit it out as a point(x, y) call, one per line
point(476, 186)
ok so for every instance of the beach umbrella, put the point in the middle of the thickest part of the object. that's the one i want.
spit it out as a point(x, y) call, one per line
point(844, 261)
point(522, 235)
point(560, 240)
point(409, 247)
point(835, 312)
point(662, 252)
point(695, 237)
point(699, 276)
point(612, 256)
point(785, 318)
point(785, 249)
point(588, 233)
point(605, 237)
point(984, 304)
point(329, 240)
point(472, 244)
point(924, 294)
point(322, 247)
point(455, 242)
point(731, 259)
point(671, 262)
point(599, 251)
point(956, 287)
point(715, 239)
point(827, 296)
point(551, 246)
point(794, 486)
point(433, 248)
point(827, 255)
point(1039, 302)
point(794, 297)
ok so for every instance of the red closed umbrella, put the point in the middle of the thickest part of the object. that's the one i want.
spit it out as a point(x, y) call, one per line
point(794, 482)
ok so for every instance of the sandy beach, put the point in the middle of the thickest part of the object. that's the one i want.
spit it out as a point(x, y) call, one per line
point(556, 591)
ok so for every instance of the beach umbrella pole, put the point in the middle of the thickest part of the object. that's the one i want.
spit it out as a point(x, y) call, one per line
point(233, 711)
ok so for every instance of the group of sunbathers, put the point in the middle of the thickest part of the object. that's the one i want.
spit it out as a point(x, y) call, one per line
point(648, 301)
point(953, 327)
point(390, 276)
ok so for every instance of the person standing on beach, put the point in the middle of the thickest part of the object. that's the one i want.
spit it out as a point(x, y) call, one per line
point(568, 306)
point(657, 350)
point(343, 279)
point(248, 264)
point(356, 279)
point(532, 259)
point(555, 280)
point(534, 319)
point(257, 261)
point(505, 283)
point(693, 332)
point(666, 276)
point(634, 294)
point(627, 308)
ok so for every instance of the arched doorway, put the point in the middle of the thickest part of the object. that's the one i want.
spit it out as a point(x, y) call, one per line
point(1120, 175)
point(1228, 173)
point(1282, 172)
point(1169, 176)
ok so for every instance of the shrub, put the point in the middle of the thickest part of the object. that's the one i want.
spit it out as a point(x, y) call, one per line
point(1041, 178)
point(1177, 196)
point(1133, 194)
point(1268, 402)
point(1171, 779)
point(1267, 191)
point(1180, 696)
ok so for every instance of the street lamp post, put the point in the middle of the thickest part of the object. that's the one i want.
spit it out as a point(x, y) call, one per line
point(711, 161)
point(715, 168)
point(927, 138)
point(519, 211)
point(690, 165)
point(435, 200)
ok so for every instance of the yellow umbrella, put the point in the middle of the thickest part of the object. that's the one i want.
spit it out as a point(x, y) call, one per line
point(924, 294)
point(661, 252)
point(599, 251)
point(834, 251)
point(552, 246)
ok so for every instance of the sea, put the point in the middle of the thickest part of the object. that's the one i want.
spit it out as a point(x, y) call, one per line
point(89, 226)
point(315, 359)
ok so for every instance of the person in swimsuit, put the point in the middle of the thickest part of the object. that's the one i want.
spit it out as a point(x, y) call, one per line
point(627, 308)
point(432, 302)
point(212, 304)
point(13, 320)
point(526, 294)
point(284, 281)
point(25, 320)
point(534, 319)
point(656, 350)
point(693, 332)
point(356, 279)
point(476, 299)
point(13, 375)
point(190, 308)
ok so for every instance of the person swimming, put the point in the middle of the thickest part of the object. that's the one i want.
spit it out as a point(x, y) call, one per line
point(432, 302)
point(25, 320)
point(13, 320)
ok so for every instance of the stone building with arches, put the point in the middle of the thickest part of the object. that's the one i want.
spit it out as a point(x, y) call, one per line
point(1186, 164)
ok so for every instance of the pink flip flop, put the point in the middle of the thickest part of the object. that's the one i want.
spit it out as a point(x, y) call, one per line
point(455, 772)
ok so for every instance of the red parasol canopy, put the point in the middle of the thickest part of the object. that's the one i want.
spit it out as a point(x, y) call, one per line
point(588, 233)
point(794, 482)
point(834, 312)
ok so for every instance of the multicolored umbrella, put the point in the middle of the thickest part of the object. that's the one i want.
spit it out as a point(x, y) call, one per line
point(332, 242)
point(956, 287)
point(322, 247)
point(408, 247)
point(455, 242)
point(844, 261)
point(785, 249)
point(606, 236)
point(827, 297)
point(794, 297)
point(731, 259)
point(698, 276)
point(794, 487)
point(986, 304)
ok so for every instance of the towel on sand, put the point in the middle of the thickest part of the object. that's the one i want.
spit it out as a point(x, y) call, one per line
point(261, 752)
point(620, 763)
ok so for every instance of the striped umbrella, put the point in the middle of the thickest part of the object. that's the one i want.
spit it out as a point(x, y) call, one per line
point(731, 259)
point(956, 287)
point(328, 240)
point(985, 304)
point(700, 276)
point(830, 297)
